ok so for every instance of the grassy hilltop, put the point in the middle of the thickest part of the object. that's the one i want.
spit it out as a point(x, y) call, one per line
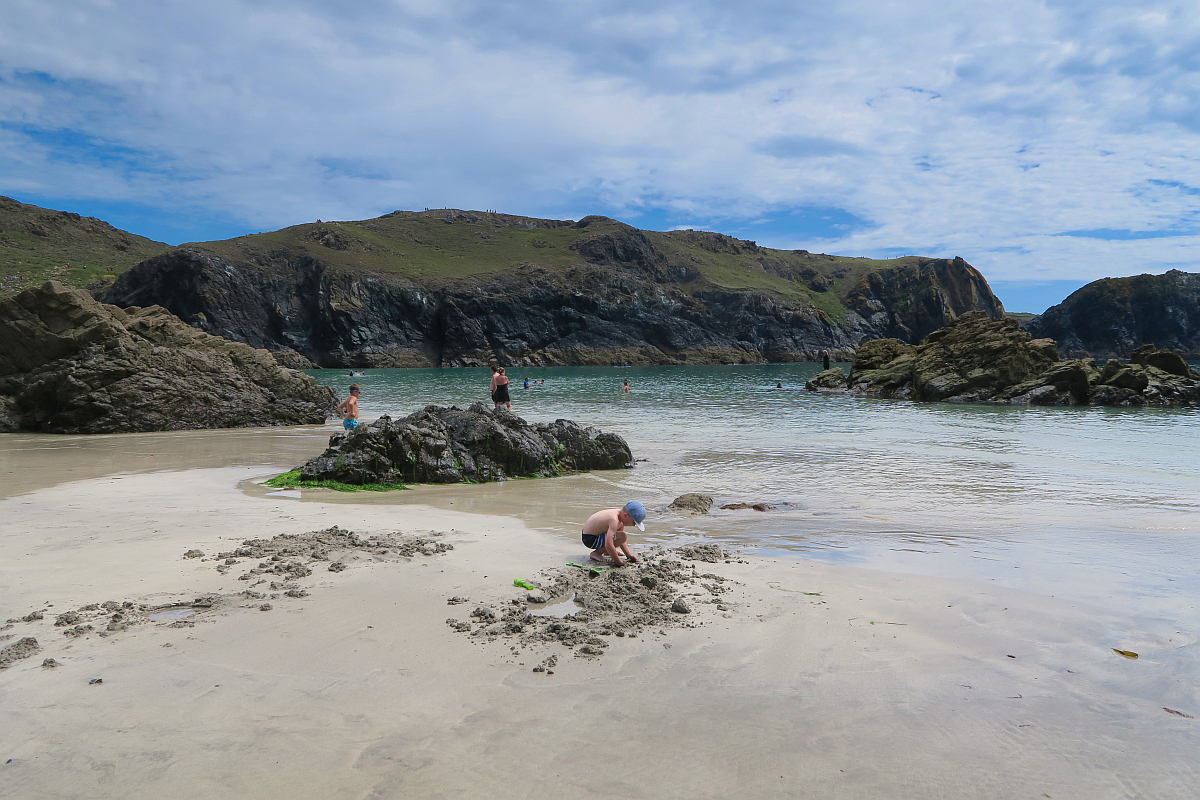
point(452, 247)
point(441, 247)
point(37, 244)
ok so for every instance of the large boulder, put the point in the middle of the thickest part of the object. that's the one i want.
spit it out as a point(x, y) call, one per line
point(472, 445)
point(976, 359)
point(971, 359)
point(70, 364)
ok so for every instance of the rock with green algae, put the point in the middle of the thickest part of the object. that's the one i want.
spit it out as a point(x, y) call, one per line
point(692, 503)
point(463, 445)
point(981, 360)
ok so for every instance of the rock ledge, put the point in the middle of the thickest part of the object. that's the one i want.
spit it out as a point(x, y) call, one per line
point(976, 359)
point(69, 364)
point(472, 445)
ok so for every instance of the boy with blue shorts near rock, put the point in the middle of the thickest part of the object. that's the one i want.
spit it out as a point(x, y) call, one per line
point(604, 532)
point(348, 408)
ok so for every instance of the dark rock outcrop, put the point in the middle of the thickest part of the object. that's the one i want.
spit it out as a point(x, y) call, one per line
point(455, 445)
point(69, 364)
point(613, 312)
point(832, 378)
point(910, 302)
point(609, 293)
point(1108, 318)
point(979, 360)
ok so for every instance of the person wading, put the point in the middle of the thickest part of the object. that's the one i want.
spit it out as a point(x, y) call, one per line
point(500, 389)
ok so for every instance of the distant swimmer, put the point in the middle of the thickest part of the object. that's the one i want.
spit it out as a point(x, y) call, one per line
point(779, 386)
point(348, 408)
point(527, 383)
point(625, 388)
point(604, 532)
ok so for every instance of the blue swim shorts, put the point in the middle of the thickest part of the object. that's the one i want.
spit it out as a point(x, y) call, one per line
point(595, 542)
point(349, 424)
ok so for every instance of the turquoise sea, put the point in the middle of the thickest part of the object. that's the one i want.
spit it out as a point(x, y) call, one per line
point(1098, 505)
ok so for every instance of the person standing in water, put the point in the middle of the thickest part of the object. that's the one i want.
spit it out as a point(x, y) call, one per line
point(625, 388)
point(604, 532)
point(348, 408)
point(500, 390)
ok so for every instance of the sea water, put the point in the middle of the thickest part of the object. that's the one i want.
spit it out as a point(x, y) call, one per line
point(1099, 505)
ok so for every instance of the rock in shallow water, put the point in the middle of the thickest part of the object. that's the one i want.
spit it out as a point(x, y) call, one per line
point(976, 359)
point(69, 364)
point(692, 503)
point(455, 445)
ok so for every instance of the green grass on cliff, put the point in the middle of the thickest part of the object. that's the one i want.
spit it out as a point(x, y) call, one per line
point(434, 248)
point(451, 246)
point(37, 244)
point(292, 480)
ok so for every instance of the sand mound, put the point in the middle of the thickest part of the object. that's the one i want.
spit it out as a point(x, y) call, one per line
point(587, 604)
point(282, 562)
point(22, 648)
point(292, 556)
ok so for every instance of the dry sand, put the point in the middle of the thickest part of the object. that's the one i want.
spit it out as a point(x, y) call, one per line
point(801, 680)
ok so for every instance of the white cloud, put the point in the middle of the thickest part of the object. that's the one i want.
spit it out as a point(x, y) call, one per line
point(985, 130)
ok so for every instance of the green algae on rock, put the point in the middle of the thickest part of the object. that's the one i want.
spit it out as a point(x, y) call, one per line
point(976, 359)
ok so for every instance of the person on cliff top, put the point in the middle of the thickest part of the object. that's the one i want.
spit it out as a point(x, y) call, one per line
point(348, 408)
point(604, 532)
point(500, 389)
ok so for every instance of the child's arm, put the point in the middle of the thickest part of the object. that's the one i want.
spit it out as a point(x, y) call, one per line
point(610, 549)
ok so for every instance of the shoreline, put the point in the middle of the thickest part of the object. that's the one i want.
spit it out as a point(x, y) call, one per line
point(361, 689)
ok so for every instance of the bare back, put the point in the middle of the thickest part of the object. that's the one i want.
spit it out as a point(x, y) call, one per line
point(603, 521)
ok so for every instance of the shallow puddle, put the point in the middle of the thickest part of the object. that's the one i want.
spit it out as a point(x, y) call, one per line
point(284, 493)
point(172, 614)
point(560, 609)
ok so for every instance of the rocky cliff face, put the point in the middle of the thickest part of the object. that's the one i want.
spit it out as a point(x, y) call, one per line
point(1111, 317)
point(608, 294)
point(69, 364)
point(910, 302)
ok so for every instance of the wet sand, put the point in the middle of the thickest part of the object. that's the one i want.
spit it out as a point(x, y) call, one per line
point(818, 680)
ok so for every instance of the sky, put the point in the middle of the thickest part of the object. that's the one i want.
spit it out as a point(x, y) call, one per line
point(1048, 143)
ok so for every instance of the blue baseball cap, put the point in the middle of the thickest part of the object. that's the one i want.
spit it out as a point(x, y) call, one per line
point(638, 511)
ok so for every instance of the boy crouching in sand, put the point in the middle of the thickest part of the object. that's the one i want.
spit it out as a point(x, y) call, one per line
point(604, 532)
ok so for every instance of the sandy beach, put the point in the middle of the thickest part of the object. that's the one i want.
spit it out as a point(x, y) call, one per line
point(816, 680)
